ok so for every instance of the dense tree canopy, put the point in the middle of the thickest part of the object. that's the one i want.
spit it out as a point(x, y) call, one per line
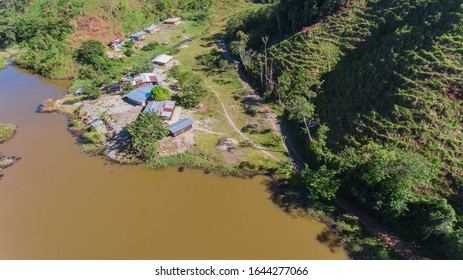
point(145, 133)
point(90, 52)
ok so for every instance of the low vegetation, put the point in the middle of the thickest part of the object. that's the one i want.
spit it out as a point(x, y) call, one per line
point(195, 162)
point(51, 32)
point(160, 93)
point(3, 62)
point(193, 88)
point(6, 132)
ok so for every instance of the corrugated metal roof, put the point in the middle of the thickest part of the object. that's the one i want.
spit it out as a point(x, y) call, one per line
point(159, 78)
point(151, 27)
point(153, 106)
point(161, 108)
point(117, 41)
point(166, 114)
point(140, 94)
point(138, 34)
point(181, 124)
point(163, 58)
point(169, 105)
point(145, 78)
point(97, 123)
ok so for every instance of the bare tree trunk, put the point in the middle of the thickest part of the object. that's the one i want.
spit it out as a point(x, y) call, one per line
point(261, 74)
point(277, 15)
point(265, 41)
point(306, 13)
point(307, 127)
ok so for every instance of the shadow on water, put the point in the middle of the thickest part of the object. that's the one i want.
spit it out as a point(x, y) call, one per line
point(293, 201)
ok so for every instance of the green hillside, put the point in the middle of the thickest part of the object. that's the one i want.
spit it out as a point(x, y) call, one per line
point(377, 88)
point(49, 31)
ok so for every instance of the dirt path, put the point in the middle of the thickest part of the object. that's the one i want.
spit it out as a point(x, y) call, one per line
point(400, 246)
point(230, 121)
point(276, 124)
point(208, 131)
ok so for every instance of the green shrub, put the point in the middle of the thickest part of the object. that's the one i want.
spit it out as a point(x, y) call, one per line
point(160, 93)
point(6, 132)
point(90, 51)
point(150, 46)
point(93, 137)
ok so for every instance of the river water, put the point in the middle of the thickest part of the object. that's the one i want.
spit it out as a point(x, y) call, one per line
point(59, 204)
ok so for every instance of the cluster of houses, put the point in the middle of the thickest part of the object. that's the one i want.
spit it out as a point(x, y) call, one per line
point(140, 96)
point(140, 36)
point(145, 82)
point(166, 110)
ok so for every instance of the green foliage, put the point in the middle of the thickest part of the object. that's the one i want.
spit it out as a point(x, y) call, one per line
point(385, 178)
point(93, 137)
point(383, 78)
point(150, 46)
point(128, 52)
point(7, 29)
point(194, 162)
point(193, 88)
point(428, 218)
point(43, 28)
point(160, 93)
point(174, 51)
point(3, 63)
point(6, 132)
point(129, 44)
point(213, 61)
point(91, 52)
point(282, 18)
point(273, 141)
point(321, 183)
point(145, 133)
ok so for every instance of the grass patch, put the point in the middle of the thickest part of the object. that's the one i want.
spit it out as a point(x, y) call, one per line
point(3, 63)
point(195, 162)
point(90, 149)
point(4, 59)
point(6, 132)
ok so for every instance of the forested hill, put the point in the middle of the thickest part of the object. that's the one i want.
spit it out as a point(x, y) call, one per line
point(49, 31)
point(376, 88)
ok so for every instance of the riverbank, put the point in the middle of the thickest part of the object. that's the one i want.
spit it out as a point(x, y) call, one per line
point(4, 56)
point(7, 131)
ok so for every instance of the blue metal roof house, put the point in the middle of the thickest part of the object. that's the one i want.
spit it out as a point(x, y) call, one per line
point(140, 95)
point(180, 127)
point(151, 28)
point(139, 36)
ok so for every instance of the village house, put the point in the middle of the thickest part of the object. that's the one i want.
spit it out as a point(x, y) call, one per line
point(139, 36)
point(151, 29)
point(163, 60)
point(180, 127)
point(117, 43)
point(173, 21)
point(140, 95)
point(145, 79)
point(164, 109)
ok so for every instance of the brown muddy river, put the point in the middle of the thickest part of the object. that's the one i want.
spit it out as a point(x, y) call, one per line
point(58, 204)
